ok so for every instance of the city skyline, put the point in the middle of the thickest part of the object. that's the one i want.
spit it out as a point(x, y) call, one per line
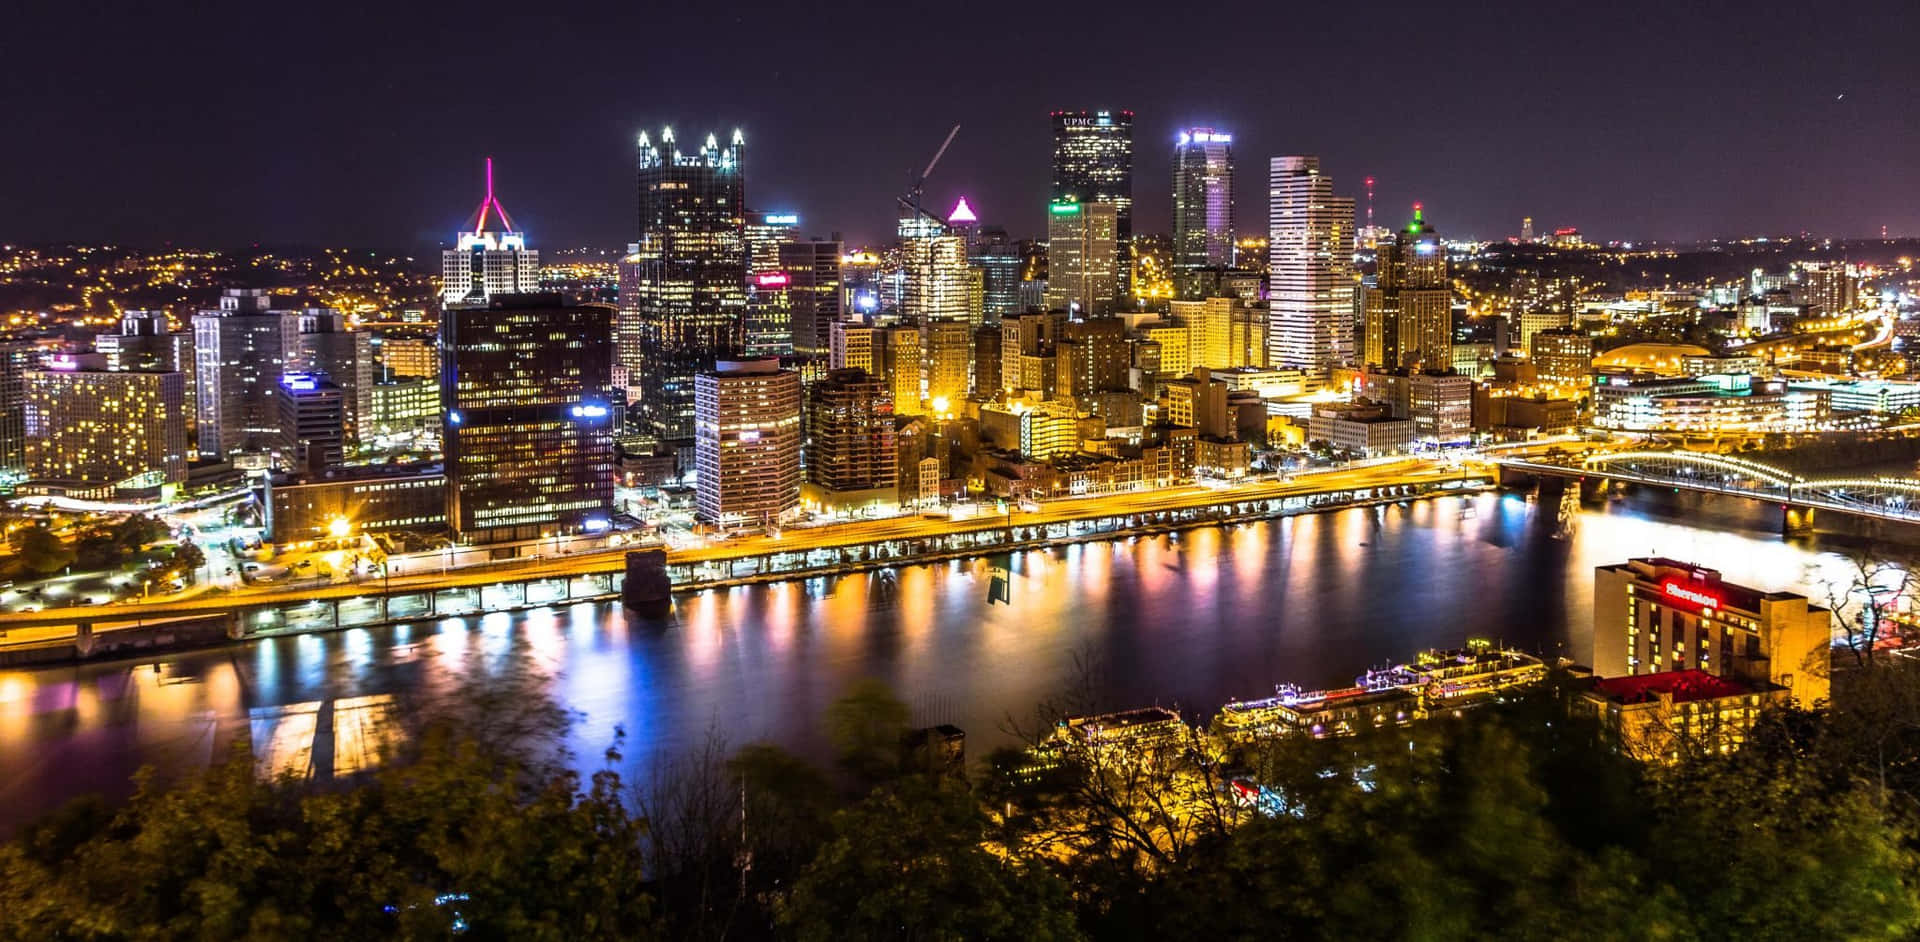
point(1692, 141)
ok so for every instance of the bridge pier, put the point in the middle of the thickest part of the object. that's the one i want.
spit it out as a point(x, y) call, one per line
point(647, 590)
point(1796, 521)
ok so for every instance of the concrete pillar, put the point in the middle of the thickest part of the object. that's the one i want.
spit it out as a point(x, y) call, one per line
point(1796, 521)
point(647, 589)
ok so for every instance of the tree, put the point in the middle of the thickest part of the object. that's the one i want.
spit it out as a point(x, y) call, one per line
point(1871, 588)
point(40, 551)
point(908, 863)
point(866, 726)
point(189, 559)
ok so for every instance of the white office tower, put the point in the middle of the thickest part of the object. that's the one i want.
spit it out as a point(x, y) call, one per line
point(488, 262)
point(1083, 259)
point(937, 279)
point(1310, 268)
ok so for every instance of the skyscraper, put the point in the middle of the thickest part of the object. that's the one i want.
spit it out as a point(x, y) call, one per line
point(999, 262)
point(1408, 312)
point(16, 358)
point(1310, 268)
point(1093, 163)
point(814, 291)
point(144, 342)
point(312, 423)
point(527, 427)
point(851, 457)
point(763, 234)
point(684, 282)
point(935, 260)
point(86, 425)
point(1084, 264)
point(240, 350)
point(1202, 200)
point(747, 443)
point(346, 357)
point(486, 262)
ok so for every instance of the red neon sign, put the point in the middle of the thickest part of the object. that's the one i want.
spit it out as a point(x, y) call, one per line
point(1695, 596)
point(773, 279)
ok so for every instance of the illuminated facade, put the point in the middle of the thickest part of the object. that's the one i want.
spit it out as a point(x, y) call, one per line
point(1408, 313)
point(747, 443)
point(851, 456)
point(1654, 615)
point(312, 423)
point(346, 357)
point(146, 343)
point(762, 235)
point(683, 284)
point(1093, 163)
point(17, 357)
point(1083, 258)
point(814, 291)
point(98, 427)
point(240, 351)
point(938, 281)
point(947, 354)
point(1662, 717)
point(485, 262)
point(1309, 268)
point(527, 427)
point(1203, 200)
point(767, 326)
point(1223, 332)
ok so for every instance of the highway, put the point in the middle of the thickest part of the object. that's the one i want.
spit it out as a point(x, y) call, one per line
point(19, 627)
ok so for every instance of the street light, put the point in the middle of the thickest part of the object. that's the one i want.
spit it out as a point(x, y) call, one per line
point(339, 528)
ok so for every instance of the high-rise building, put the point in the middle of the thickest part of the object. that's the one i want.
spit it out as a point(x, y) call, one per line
point(527, 427)
point(986, 361)
point(855, 347)
point(1223, 332)
point(1083, 260)
point(146, 343)
point(240, 351)
point(767, 325)
point(763, 234)
point(1091, 357)
point(1563, 356)
point(935, 261)
point(747, 443)
point(851, 457)
point(898, 347)
point(1309, 268)
point(485, 262)
point(814, 292)
point(313, 418)
point(89, 426)
point(1202, 200)
point(684, 281)
point(1829, 288)
point(999, 262)
point(345, 356)
point(16, 358)
point(1093, 163)
point(946, 346)
point(1408, 313)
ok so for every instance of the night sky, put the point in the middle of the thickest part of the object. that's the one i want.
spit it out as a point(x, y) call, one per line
point(331, 123)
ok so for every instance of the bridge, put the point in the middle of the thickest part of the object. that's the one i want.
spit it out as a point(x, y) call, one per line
point(1891, 499)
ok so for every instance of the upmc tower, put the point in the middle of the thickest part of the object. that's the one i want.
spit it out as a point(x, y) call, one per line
point(1093, 163)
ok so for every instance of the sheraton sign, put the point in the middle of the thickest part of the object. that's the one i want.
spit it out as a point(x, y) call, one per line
point(1685, 594)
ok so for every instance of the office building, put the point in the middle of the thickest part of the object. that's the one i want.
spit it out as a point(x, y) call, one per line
point(947, 356)
point(683, 284)
point(1408, 312)
point(1439, 403)
point(899, 350)
point(17, 357)
point(1223, 332)
point(146, 343)
point(1091, 357)
point(403, 407)
point(814, 292)
point(747, 443)
point(1366, 429)
point(312, 423)
point(527, 427)
point(851, 460)
point(1000, 264)
point(1563, 356)
point(762, 234)
point(240, 351)
point(345, 357)
point(1309, 268)
point(1829, 288)
point(373, 499)
point(1202, 202)
point(766, 328)
point(856, 347)
point(1653, 615)
point(1083, 259)
point(406, 357)
point(488, 261)
point(91, 430)
point(1093, 163)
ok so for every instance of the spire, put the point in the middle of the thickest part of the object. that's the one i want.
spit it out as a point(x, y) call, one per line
point(962, 213)
point(1418, 222)
point(490, 204)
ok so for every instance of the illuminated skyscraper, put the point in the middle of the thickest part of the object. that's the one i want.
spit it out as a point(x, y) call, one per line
point(1408, 312)
point(935, 261)
point(145, 343)
point(851, 458)
point(486, 262)
point(528, 425)
point(313, 422)
point(814, 291)
point(345, 357)
point(1084, 263)
point(1202, 200)
point(684, 282)
point(1310, 268)
point(16, 358)
point(747, 443)
point(999, 261)
point(240, 351)
point(1093, 163)
point(763, 235)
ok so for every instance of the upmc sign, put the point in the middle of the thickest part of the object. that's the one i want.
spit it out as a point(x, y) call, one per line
point(1697, 597)
point(1085, 122)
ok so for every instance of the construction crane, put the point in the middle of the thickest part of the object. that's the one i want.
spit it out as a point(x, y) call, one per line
point(911, 200)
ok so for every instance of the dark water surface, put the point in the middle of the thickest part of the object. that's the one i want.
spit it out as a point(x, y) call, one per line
point(1188, 620)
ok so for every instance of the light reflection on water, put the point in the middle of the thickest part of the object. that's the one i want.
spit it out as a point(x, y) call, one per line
point(1189, 619)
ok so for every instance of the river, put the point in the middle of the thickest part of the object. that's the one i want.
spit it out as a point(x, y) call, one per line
point(1189, 620)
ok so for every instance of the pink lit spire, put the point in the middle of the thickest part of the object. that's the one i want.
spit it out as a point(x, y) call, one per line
point(490, 202)
point(962, 213)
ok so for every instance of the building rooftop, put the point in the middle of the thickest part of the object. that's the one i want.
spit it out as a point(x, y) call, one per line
point(1683, 686)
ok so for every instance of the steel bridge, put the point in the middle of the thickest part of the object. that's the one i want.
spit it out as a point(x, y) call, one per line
point(1894, 499)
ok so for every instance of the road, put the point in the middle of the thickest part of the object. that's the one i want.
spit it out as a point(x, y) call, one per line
point(23, 627)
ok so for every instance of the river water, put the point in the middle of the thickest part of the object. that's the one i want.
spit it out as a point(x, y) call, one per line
point(1187, 620)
